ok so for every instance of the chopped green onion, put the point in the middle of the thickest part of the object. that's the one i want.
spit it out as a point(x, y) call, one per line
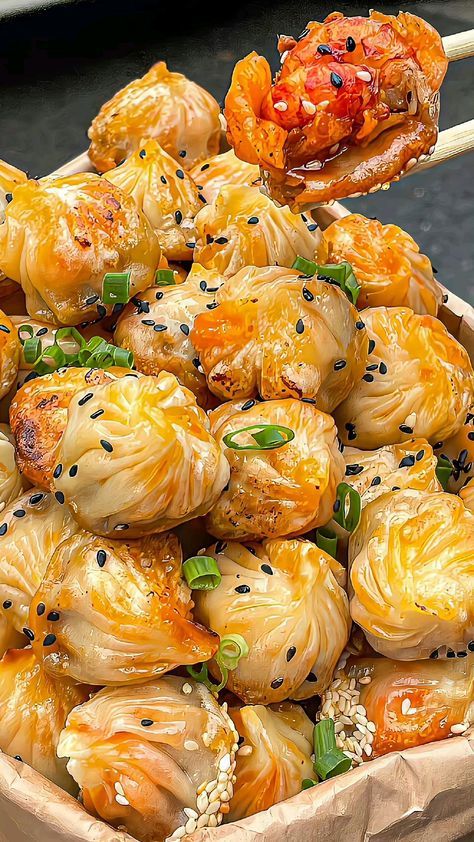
point(122, 358)
point(306, 267)
point(232, 648)
point(329, 760)
point(444, 470)
point(25, 329)
point(56, 355)
point(343, 275)
point(307, 783)
point(326, 540)
point(31, 349)
point(70, 341)
point(164, 278)
point(116, 288)
point(348, 519)
point(202, 573)
point(268, 437)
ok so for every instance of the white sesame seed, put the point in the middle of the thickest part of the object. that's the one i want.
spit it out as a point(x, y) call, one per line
point(346, 720)
point(201, 788)
point(213, 808)
point(225, 763)
point(245, 751)
point(280, 106)
point(369, 737)
point(405, 706)
point(190, 745)
point(230, 789)
point(186, 689)
point(178, 833)
point(358, 734)
point(212, 821)
point(211, 786)
point(308, 106)
point(214, 796)
point(323, 104)
point(459, 728)
point(314, 165)
point(219, 818)
point(345, 694)
point(352, 684)
point(334, 149)
point(190, 826)
point(222, 776)
point(120, 799)
point(339, 742)
point(119, 788)
point(283, 56)
point(352, 710)
point(342, 735)
point(368, 749)
point(362, 719)
point(365, 680)
point(190, 813)
point(335, 696)
point(364, 75)
point(206, 738)
point(225, 796)
point(361, 709)
point(338, 726)
point(372, 727)
point(358, 749)
point(202, 821)
point(336, 683)
point(202, 802)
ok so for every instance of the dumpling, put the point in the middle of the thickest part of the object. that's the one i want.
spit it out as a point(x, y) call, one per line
point(242, 227)
point(145, 757)
point(116, 612)
point(38, 415)
point(166, 106)
point(62, 235)
point(10, 479)
point(418, 382)
point(281, 335)
point(274, 756)
point(33, 711)
point(408, 465)
point(387, 263)
point(9, 352)
point(31, 527)
point(459, 449)
point(10, 177)
point(137, 456)
point(354, 104)
point(165, 194)
point(285, 491)
point(412, 574)
point(156, 327)
point(284, 599)
point(398, 705)
point(220, 170)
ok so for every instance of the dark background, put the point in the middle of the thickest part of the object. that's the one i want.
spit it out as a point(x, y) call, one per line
point(59, 64)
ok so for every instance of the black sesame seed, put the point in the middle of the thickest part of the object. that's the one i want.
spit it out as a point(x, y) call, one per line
point(101, 557)
point(353, 470)
point(106, 445)
point(91, 300)
point(203, 285)
point(471, 435)
point(276, 683)
point(324, 50)
point(59, 496)
point(307, 295)
point(190, 245)
point(40, 609)
point(202, 198)
point(102, 312)
point(30, 635)
point(3, 529)
point(291, 653)
point(267, 569)
point(445, 297)
point(376, 481)
point(196, 362)
point(311, 677)
point(405, 429)
point(221, 241)
point(368, 378)
point(450, 654)
point(308, 400)
point(336, 80)
point(41, 331)
point(434, 654)
point(313, 226)
point(383, 368)
point(184, 329)
point(299, 326)
point(142, 153)
point(209, 239)
point(53, 616)
point(242, 589)
point(180, 173)
point(350, 44)
point(97, 414)
point(6, 329)
point(19, 513)
point(182, 153)
point(159, 295)
point(73, 470)
point(340, 364)
point(18, 757)
point(470, 646)
point(84, 400)
point(146, 722)
point(160, 328)
point(396, 488)
point(205, 167)
point(253, 220)
point(212, 306)
point(419, 455)
point(371, 345)
point(58, 471)
point(462, 654)
point(250, 550)
point(8, 197)
point(360, 325)
point(148, 322)
point(7, 603)
point(371, 367)
point(163, 179)
point(407, 462)
point(220, 546)
point(178, 217)
point(49, 639)
point(248, 405)
point(462, 458)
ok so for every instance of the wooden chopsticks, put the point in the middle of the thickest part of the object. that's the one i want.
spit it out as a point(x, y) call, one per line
point(460, 45)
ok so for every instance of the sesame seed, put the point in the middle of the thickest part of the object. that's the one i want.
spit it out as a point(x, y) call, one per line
point(376, 481)
point(353, 470)
point(19, 513)
point(308, 106)
point(184, 329)
point(311, 677)
point(187, 689)
point(459, 728)
point(73, 470)
point(253, 220)
point(146, 722)
point(245, 751)
point(8, 197)
point(84, 400)
point(7, 603)
point(59, 497)
point(280, 106)
point(364, 75)
point(220, 547)
point(35, 498)
point(221, 241)
point(205, 167)
point(30, 635)
point(57, 471)
point(368, 378)
point(40, 609)
point(101, 311)
point(97, 414)
point(266, 569)
point(291, 653)
point(336, 80)
point(53, 616)
point(307, 295)
point(191, 745)
point(101, 557)
point(49, 640)
point(337, 506)
point(180, 174)
point(350, 44)
point(182, 153)
point(91, 300)
point(3, 529)
point(419, 455)
point(404, 428)
point(407, 462)
point(163, 179)
point(371, 367)
point(4, 329)
point(339, 364)
point(360, 325)
point(324, 50)
point(308, 400)
point(178, 217)
point(248, 405)
point(142, 153)
point(299, 326)
point(242, 589)
point(276, 683)
point(371, 345)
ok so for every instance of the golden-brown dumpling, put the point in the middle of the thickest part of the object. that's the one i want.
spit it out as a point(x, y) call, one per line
point(412, 574)
point(116, 612)
point(286, 491)
point(274, 757)
point(219, 170)
point(398, 704)
point(242, 227)
point(62, 235)
point(138, 456)
point(10, 479)
point(281, 335)
point(178, 113)
point(418, 382)
point(408, 465)
point(460, 451)
point(9, 352)
point(165, 193)
point(153, 758)
point(38, 415)
point(284, 599)
point(387, 263)
point(156, 328)
point(33, 711)
point(31, 527)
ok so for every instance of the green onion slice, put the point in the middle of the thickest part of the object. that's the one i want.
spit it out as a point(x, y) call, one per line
point(116, 288)
point(267, 436)
point(31, 349)
point(70, 341)
point(164, 278)
point(348, 516)
point(25, 329)
point(307, 783)
point(306, 267)
point(329, 761)
point(202, 573)
point(326, 540)
point(444, 470)
point(343, 275)
point(232, 648)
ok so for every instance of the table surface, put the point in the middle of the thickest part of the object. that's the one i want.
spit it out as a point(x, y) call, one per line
point(61, 60)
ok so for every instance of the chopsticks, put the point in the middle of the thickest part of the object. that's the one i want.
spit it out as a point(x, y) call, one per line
point(460, 45)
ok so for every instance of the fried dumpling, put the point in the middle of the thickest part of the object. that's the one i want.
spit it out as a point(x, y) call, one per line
point(166, 106)
point(242, 227)
point(418, 382)
point(137, 456)
point(408, 465)
point(387, 263)
point(116, 612)
point(412, 575)
point(354, 104)
point(9, 352)
point(459, 449)
point(284, 491)
point(284, 599)
point(31, 527)
point(219, 170)
point(145, 757)
point(38, 415)
point(33, 711)
point(62, 235)
point(156, 327)
point(281, 335)
point(166, 195)
point(398, 704)
point(10, 479)
point(274, 756)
